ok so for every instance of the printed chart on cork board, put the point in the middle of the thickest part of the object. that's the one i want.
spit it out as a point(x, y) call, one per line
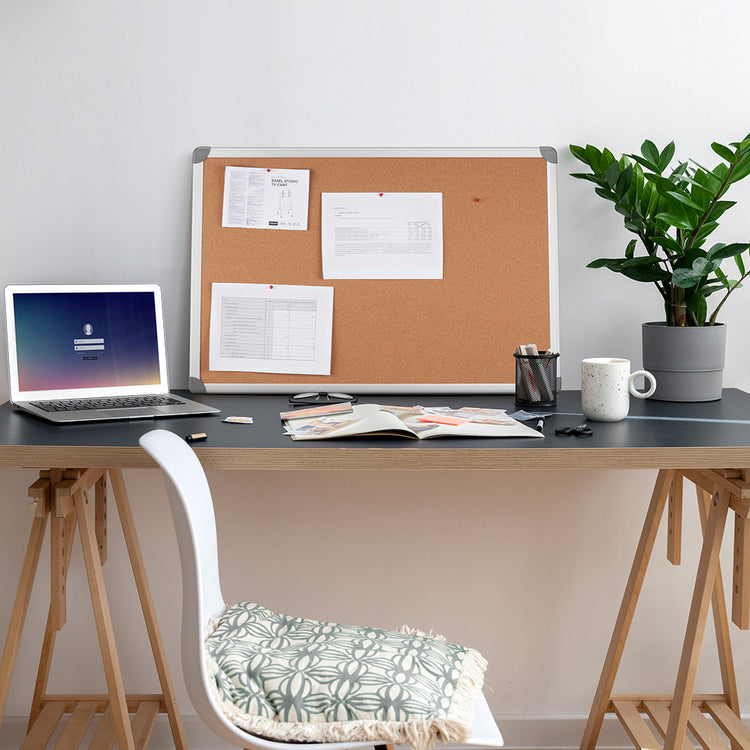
point(370, 270)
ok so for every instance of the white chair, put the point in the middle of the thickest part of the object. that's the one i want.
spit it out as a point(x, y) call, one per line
point(193, 515)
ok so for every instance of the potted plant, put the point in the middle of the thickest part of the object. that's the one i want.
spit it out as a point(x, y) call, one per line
point(673, 210)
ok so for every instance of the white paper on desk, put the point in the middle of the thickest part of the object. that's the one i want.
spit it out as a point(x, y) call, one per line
point(271, 328)
point(382, 235)
point(261, 198)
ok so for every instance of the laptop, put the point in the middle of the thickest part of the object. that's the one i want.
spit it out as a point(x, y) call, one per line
point(86, 352)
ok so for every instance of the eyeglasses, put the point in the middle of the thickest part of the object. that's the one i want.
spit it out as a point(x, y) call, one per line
point(322, 397)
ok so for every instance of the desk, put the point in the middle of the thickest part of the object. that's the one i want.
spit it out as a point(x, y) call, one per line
point(711, 451)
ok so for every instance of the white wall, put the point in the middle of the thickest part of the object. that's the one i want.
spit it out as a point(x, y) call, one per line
point(102, 104)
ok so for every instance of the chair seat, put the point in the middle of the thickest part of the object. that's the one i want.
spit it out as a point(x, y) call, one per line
point(300, 680)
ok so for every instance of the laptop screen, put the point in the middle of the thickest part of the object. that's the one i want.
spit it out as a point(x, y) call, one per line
point(79, 341)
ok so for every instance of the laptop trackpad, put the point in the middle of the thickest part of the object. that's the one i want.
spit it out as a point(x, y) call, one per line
point(130, 411)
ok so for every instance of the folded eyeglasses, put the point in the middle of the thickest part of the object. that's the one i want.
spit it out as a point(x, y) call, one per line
point(321, 397)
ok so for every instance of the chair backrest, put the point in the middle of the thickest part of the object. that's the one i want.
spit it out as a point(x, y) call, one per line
point(195, 525)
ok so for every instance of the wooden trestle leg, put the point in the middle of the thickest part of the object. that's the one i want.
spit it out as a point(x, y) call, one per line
point(627, 609)
point(147, 605)
point(63, 495)
point(673, 715)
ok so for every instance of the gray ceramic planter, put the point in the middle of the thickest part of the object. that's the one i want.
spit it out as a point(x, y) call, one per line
point(688, 362)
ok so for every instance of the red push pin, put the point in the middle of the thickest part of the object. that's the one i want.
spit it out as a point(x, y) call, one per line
point(268, 170)
point(477, 200)
point(380, 194)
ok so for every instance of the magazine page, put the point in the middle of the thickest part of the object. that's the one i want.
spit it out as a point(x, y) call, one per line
point(467, 421)
point(362, 419)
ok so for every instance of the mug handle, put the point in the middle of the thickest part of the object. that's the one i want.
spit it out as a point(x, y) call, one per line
point(641, 394)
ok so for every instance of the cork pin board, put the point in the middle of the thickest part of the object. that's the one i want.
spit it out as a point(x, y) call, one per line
point(454, 334)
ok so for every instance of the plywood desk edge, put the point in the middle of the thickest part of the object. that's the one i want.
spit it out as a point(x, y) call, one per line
point(386, 458)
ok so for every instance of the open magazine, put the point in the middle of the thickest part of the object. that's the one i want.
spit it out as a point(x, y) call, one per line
point(345, 420)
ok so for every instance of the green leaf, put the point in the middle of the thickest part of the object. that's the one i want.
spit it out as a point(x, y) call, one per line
point(686, 200)
point(697, 304)
point(719, 208)
point(588, 176)
point(600, 160)
point(653, 201)
point(681, 222)
point(720, 172)
point(709, 289)
point(604, 263)
point(641, 260)
point(741, 171)
point(705, 231)
point(663, 184)
point(606, 193)
point(740, 264)
point(720, 251)
point(704, 266)
point(645, 163)
point(722, 277)
point(712, 182)
point(688, 257)
point(612, 173)
point(684, 278)
point(630, 249)
point(579, 152)
point(666, 156)
point(723, 151)
point(668, 243)
point(651, 154)
point(646, 273)
point(624, 181)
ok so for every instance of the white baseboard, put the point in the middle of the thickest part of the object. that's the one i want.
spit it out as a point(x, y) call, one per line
point(528, 732)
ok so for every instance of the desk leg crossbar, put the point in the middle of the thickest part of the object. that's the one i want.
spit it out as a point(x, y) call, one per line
point(63, 497)
point(712, 720)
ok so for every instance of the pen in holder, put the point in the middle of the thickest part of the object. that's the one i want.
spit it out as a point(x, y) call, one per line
point(536, 379)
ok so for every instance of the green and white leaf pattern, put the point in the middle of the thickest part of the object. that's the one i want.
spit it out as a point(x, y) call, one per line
point(287, 669)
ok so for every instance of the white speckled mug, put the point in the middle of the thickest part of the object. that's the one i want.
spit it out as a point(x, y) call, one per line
point(606, 387)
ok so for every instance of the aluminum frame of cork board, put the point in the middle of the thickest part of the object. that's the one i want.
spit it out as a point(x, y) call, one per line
point(451, 335)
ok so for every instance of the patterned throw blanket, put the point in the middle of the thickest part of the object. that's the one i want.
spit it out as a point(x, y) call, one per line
point(293, 679)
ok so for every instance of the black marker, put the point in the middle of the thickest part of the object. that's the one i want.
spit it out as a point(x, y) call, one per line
point(195, 437)
point(540, 425)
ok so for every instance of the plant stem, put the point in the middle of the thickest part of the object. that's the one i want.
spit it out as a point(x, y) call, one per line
point(722, 189)
point(712, 319)
point(679, 309)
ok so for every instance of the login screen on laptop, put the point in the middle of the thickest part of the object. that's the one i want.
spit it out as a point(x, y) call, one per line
point(85, 340)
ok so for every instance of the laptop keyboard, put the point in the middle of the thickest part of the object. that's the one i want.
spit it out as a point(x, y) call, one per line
point(117, 402)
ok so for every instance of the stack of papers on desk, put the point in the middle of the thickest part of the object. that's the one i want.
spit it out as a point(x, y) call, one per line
point(405, 421)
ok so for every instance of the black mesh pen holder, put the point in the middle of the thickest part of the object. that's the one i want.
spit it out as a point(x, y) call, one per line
point(536, 379)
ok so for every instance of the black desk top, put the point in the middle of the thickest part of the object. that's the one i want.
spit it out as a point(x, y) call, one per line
point(671, 436)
